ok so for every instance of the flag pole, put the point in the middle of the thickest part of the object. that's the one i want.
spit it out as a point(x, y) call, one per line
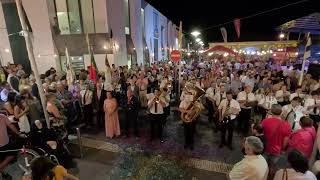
point(29, 46)
point(180, 47)
point(303, 62)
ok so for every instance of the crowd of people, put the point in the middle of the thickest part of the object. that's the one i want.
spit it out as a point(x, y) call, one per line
point(277, 117)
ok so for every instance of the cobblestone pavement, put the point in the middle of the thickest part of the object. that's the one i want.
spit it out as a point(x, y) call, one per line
point(206, 157)
point(206, 141)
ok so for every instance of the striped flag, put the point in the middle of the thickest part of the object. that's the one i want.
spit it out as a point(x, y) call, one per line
point(307, 52)
point(93, 67)
point(69, 71)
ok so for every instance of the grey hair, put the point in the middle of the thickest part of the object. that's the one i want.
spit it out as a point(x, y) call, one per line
point(255, 144)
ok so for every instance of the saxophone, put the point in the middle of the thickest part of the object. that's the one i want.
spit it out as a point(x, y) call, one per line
point(195, 107)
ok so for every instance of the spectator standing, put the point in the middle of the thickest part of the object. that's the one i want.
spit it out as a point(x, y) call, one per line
point(299, 168)
point(253, 166)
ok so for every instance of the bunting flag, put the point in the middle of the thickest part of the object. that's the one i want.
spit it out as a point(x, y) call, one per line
point(93, 67)
point(307, 52)
point(180, 35)
point(224, 34)
point(237, 26)
point(69, 71)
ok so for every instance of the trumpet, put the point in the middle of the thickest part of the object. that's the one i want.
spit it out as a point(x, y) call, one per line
point(157, 99)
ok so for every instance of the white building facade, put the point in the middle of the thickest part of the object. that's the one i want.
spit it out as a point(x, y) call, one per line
point(126, 31)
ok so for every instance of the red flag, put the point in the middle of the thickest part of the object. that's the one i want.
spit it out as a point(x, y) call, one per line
point(237, 26)
point(93, 69)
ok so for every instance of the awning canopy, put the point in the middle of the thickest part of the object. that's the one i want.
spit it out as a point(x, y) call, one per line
point(220, 49)
point(306, 24)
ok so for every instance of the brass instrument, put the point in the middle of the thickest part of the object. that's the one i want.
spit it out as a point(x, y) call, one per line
point(194, 108)
point(157, 99)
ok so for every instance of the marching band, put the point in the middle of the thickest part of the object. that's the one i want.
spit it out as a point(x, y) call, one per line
point(231, 102)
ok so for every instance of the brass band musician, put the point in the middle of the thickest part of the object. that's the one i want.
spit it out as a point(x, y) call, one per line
point(228, 112)
point(189, 99)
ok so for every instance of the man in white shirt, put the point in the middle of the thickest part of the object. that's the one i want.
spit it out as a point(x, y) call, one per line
point(312, 106)
point(291, 112)
point(87, 97)
point(246, 100)
point(156, 105)
point(253, 166)
point(228, 112)
point(189, 128)
point(210, 94)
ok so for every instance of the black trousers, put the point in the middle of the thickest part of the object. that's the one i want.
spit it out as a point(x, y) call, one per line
point(166, 111)
point(100, 119)
point(156, 125)
point(244, 121)
point(210, 110)
point(131, 121)
point(189, 130)
point(88, 114)
point(224, 127)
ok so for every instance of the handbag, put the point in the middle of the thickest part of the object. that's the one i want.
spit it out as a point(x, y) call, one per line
point(285, 174)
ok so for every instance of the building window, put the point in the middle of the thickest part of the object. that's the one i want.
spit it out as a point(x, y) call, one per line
point(156, 49)
point(126, 16)
point(155, 24)
point(87, 16)
point(74, 17)
point(62, 15)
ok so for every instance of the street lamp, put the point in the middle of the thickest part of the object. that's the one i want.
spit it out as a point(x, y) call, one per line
point(281, 36)
point(195, 33)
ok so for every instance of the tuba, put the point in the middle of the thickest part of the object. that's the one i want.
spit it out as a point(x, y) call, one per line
point(194, 107)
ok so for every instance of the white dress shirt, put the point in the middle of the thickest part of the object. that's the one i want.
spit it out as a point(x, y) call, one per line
point(310, 102)
point(152, 105)
point(300, 95)
point(268, 101)
point(250, 168)
point(219, 97)
point(293, 115)
point(210, 92)
point(280, 95)
point(86, 95)
point(233, 104)
point(243, 96)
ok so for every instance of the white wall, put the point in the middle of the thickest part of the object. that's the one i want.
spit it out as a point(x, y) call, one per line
point(42, 36)
point(116, 23)
point(163, 22)
point(148, 14)
point(136, 28)
point(5, 57)
point(100, 16)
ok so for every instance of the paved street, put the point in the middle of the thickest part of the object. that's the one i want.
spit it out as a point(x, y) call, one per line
point(101, 155)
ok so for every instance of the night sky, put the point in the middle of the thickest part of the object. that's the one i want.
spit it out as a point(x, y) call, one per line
point(200, 14)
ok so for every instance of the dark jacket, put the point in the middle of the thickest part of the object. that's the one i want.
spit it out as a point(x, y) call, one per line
point(132, 105)
point(98, 103)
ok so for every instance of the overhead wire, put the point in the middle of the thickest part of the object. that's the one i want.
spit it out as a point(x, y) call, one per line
point(256, 14)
